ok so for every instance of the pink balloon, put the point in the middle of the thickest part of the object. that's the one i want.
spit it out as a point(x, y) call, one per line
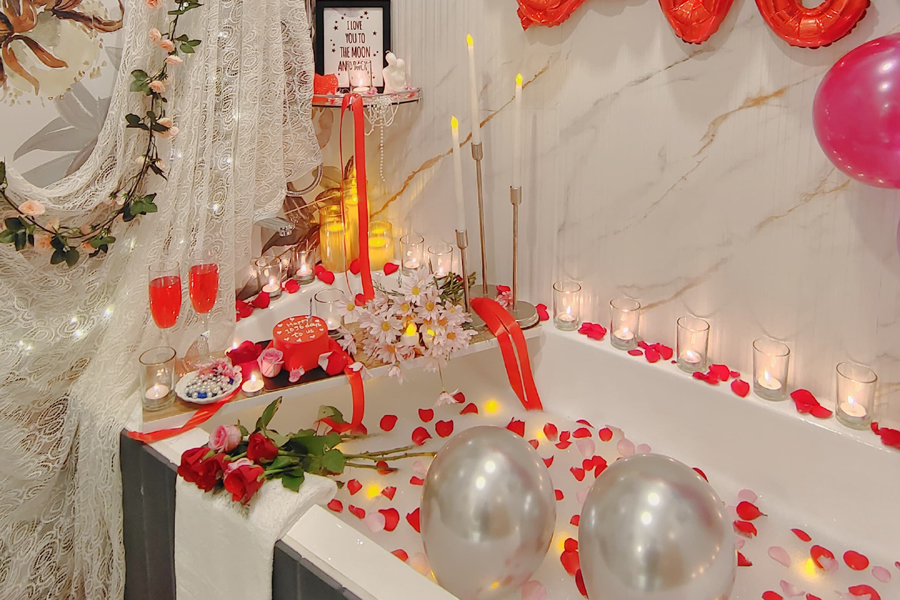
point(856, 113)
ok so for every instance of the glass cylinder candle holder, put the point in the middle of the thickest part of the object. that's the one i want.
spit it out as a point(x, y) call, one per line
point(567, 305)
point(328, 308)
point(158, 378)
point(361, 78)
point(304, 265)
point(332, 239)
point(440, 256)
point(855, 395)
point(412, 252)
point(381, 244)
point(771, 360)
point(268, 274)
point(624, 322)
point(693, 343)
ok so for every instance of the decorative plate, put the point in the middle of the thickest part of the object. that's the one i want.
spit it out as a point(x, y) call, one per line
point(181, 389)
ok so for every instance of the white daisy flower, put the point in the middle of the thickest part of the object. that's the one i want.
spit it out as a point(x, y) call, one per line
point(445, 398)
point(362, 370)
point(396, 371)
point(430, 307)
point(416, 285)
point(350, 311)
point(386, 329)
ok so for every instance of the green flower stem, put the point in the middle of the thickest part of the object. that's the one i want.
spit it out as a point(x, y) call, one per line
point(382, 452)
point(388, 458)
point(372, 467)
point(238, 456)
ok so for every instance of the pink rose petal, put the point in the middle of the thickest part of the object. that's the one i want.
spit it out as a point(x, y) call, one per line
point(881, 574)
point(625, 447)
point(586, 446)
point(789, 590)
point(780, 555)
point(747, 496)
point(533, 590)
point(374, 521)
point(582, 495)
point(829, 564)
point(419, 468)
point(739, 542)
point(642, 449)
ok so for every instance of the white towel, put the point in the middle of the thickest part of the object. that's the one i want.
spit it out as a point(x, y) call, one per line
point(224, 550)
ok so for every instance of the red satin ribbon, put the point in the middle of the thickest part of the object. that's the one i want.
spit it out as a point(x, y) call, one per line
point(200, 417)
point(355, 103)
point(505, 328)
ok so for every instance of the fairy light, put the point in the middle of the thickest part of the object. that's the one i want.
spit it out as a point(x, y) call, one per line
point(372, 491)
point(491, 406)
point(809, 568)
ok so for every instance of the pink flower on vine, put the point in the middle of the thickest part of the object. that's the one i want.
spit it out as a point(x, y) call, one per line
point(167, 45)
point(32, 208)
point(171, 131)
point(158, 86)
point(152, 3)
point(155, 35)
point(174, 60)
point(53, 223)
point(42, 242)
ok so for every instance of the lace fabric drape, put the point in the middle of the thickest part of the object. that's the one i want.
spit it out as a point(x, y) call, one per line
point(70, 338)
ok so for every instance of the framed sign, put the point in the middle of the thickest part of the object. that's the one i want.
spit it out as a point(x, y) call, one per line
point(352, 36)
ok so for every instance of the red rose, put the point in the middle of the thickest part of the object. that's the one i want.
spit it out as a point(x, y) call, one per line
point(204, 472)
point(261, 449)
point(244, 482)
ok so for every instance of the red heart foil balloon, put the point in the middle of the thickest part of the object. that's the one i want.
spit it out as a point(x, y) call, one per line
point(694, 21)
point(812, 27)
point(325, 84)
point(546, 12)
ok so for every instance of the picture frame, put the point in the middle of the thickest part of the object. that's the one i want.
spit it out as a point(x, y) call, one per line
point(352, 39)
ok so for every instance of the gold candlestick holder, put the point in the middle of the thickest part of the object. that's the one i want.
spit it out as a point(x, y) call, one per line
point(462, 240)
point(523, 312)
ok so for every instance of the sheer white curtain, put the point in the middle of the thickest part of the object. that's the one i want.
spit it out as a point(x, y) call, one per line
point(69, 338)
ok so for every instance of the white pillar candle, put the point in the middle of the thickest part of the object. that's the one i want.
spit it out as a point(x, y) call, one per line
point(457, 177)
point(473, 92)
point(517, 135)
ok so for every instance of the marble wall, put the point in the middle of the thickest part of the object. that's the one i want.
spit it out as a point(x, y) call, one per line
point(686, 176)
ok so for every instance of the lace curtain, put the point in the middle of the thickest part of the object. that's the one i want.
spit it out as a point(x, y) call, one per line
point(70, 338)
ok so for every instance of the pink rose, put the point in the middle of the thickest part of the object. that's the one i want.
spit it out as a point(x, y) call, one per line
point(174, 60)
point(225, 438)
point(32, 208)
point(158, 86)
point(167, 45)
point(42, 242)
point(236, 464)
point(152, 3)
point(270, 362)
point(155, 35)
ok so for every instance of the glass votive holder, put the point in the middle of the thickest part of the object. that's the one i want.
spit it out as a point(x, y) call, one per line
point(412, 252)
point(693, 343)
point(333, 238)
point(158, 378)
point(567, 305)
point(361, 78)
point(771, 360)
point(855, 395)
point(381, 244)
point(304, 265)
point(440, 256)
point(268, 274)
point(624, 322)
point(328, 308)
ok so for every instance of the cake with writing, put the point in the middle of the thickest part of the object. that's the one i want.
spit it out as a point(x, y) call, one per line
point(302, 340)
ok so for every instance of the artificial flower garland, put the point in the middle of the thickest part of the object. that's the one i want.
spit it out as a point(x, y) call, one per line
point(128, 201)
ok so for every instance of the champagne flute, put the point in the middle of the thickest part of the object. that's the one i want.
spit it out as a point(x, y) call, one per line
point(165, 295)
point(204, 287)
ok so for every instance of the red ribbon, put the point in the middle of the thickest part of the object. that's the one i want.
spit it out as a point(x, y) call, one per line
point(355, 103)
point(505, 328)
point(200, 417)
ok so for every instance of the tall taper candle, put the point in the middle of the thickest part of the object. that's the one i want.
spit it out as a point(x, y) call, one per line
point(457, 177)
point(517, 135)
point(473, 92)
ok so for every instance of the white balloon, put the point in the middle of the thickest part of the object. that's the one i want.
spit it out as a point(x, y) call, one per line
point(488, 513)
point(651, 527)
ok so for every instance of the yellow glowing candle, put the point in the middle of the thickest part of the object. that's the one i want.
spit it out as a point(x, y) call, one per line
point(332, 238)
point(381, 244)
point(351, 221)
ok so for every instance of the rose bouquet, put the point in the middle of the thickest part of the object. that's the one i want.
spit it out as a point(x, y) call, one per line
point(241, 461)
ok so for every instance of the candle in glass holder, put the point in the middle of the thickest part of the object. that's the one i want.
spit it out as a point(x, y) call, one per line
point(350, 200)
point(624, 322)
point(855, 395)
point(361, 79)
point(440, 256)
point(328, 308)
point(692, 343)
point(304, 265)
point(412, 252)
point(332, 239)
point(268, 273)
point(567, 305)
point(381, 244)
point(771, 360)
point(158, 377)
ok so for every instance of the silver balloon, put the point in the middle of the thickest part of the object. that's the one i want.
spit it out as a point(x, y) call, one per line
point(488, 513)
point(651, 527)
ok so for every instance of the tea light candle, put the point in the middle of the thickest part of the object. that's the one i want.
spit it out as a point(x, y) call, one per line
point(441, 258)
point(769, 382)
point(252, 386)
point(855, 395)
point(624, 322)
point(693, 343)
point(268, 272)
point(381, 244)
point(304, 265)
point(410, 336)
point(566, 305)
point(157, 392)
point(691, 357)
point(157, 377)
point(771, 359)
point(412, 252)
point(853, 409)
point(328, 305)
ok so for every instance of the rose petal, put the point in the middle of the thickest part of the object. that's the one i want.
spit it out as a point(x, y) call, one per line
point(642, 449)
point(563, 445)
point(745, 529)
point(543, 315)
point(390, 268)
point(291, 286)
point(413, 520)
point(577, 473)
point(534, 444)
point(426, 414)
point(401, 554)
point(820, 412)
point(391, 518)
point(353, 486)
point(579, 583)
point(605, 434)
point(625, 447)
point(665, 352)
point(865, 590)
point(721, 372)
point(581, 432)
point(375, 522)
point(389, 492)
point(652, 355)
point(855, 560)
point(416, 481)
point(739, 542)
point(817, 553)
point(420, 468)
point(244, 310)
point(559, 495)
point(420, 435)
point(771, 596)
point(387, 422)
point(533, 590)
point(336, 505)
point(517, 427)
point(575, 520)
point(701, 473)
point(357, 512)
point(262, 300)
point(789, 590)
point(881, 574)
point(443, 428)
point(548, 462)
point(582, 495)
point(469, 408)
point(740, 387)
point(802, 535)
point(748, 511)
point(354, 266)
point(586, 447)
point(359, 300)
point(570, 561)
point(383, 468)
point(571, 544)
point(551, 432)
point(326, 277)
point(746, 495)
point(780, 555)
point(814, 597)
point(636, 352)
point(459, 397)
point(742, 561)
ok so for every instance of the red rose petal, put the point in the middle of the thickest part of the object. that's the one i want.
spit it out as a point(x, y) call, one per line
point(559, 495)
point(262, 301)
point(444, 428)
point(771, 596)
point(326, 277)
point(426, 414)
point(413, 519)
point(636, 352)
point(745, 529)
point(517, 427)
point(469, 408)
point(383, 468)
point(416, 481)
point(865, 590)
point(565, 435)
point(643, 345)
point(699, 375)
point(742, 561)
point(548, 462)
point(605, 434)
point(543, 315)
point(459, 397)
point(820, 412)
point(818, 552)
point(570, 561)
point(722, 372)
point(318, 269)
point(336, 505)
point(735, 374)
point(748, 511)
point(390, 268)
point(584, 422)
point(802, 535)
point(897, 564)
point(359, 300)
point(533, 443)
point(389, 492)
point(243, 309)
point(664, 351)
point(291, 286)
point(551, 432)
point(740, 387)
point(652, 355)
point(401, 554)
point(579, 583)
point(563, 445)
point(420, 435)
point(577, 473)
point(581, 432)
point(812, 597)
point(357, 512)
point(570, 545)
point(391, 518)
point(354, 266)
point(387, 422)
point(701, 473)
point(855, 560)
point(575, 520)
point(353, 486)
